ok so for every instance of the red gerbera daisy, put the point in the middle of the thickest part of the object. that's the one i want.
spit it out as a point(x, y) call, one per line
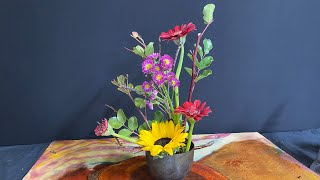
point(178, 31)
point(194, 110)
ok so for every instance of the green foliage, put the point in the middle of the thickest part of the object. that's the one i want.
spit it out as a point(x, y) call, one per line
point(139, 89)
point(208, 13)
point(144, 126)
point(197, 61)
point(133, 123)
point(138, 50)
point(125, 132)
point(121, 79)
point(200, 51)
point(149, 49)
point(204, 74)
point(109, 131)
point(206, 62)
point(207, 44)
point(189, 70)
point(115, 123)
point(121, 116)
point(140, 103)
point(158, 116)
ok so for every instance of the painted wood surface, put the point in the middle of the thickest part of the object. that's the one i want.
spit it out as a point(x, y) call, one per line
point(235, 156)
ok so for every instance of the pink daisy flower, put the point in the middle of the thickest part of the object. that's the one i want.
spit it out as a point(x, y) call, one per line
point(147, 87)
point(159, 78)
point(174, 82)
point(153, 56)
point(149, 104)
point(147, 66)
point(166, 62)
point(154, 94)
point(156, 68)
point(170, 75)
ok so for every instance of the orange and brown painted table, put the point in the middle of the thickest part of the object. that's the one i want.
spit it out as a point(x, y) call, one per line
point(234, 156)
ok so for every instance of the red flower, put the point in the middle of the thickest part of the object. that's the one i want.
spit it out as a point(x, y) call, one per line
point(194, 110)
point(102, 127)
point(178, 31)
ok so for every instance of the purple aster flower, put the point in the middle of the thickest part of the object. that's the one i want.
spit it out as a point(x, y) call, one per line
point(159, 78)
point(174, 82)
point(149, 104)
point(147, 87)
point(153, 56)
point(147, 66)
point(156, 68)
point(170, 75)
point(154, 94)
point(166, 62)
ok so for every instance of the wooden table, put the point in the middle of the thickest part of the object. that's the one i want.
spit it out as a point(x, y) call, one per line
point(236, 156)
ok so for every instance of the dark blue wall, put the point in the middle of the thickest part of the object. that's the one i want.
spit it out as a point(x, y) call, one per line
point(58, 57)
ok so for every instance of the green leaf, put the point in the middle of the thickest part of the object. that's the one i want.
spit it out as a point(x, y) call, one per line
point(206, 62)
point(138, 50)
point(158, 116)
point(149, 49)
point(121, 79)
point(208, 13)
point(197, 62)
point(121, 116)
point(207, 44)
point(109, 131)
point(130, 85)
point(204, 74)
point(140, 103)
point(144, 126)
point(139, 89)
point(200, 51)
point(115, 123)
point(189, 70)
point(125, 132)
point(133, 123)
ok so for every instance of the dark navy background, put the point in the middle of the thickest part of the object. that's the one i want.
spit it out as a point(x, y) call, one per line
point(57, 59)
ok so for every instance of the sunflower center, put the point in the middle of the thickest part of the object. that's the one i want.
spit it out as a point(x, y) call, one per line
point(162, 141)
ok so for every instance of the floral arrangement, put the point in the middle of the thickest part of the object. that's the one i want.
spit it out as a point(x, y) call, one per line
point(170, 130)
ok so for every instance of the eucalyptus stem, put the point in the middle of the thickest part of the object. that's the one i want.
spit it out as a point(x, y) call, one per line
point(125, 138)
point(192, 122)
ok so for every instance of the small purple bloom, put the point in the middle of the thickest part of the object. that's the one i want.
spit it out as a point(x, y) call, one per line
point(153, 56)
point(159, 78)
point(174, 82)
point(149, 104)
point(170, 75)
point(166, 62)
point(147, 66)
point(156, 68)
point(154, 94)
point(147, 87)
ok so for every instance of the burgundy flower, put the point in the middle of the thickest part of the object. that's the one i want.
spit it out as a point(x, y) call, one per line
point(102, 127)
point(194, 110)
point(178, 31)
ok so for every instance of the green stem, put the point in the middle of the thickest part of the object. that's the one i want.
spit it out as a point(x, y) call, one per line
point(178, 71)
point(125, 138)
point(192, 122)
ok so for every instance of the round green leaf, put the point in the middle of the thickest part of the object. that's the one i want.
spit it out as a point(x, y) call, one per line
point(133, 123)
point(115, 123)
point(158, 116)
point(207, 44)
point(140, 103)
point(149, 49)
point(125, 132)
point(144, 126)
point(109, 131)
point(121, 116)
point(208, 13)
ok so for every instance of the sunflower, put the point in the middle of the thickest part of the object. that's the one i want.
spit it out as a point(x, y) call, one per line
point(162, 132)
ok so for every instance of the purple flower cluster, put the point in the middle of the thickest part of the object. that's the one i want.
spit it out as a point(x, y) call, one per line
point(160, 70)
